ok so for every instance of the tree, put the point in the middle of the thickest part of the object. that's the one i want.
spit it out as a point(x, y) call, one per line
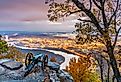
point(103, 21)
point(13, 53)
point(80, 70)
point(3, 46)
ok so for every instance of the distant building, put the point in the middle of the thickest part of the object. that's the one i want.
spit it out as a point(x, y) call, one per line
point(4, 38)
point(70, 36)
point(0, 37)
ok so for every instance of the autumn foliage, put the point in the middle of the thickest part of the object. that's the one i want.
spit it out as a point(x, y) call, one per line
point(53, 59)
point(80, 70)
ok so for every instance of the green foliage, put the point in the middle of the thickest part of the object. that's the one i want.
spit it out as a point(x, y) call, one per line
point(60, 10)
point(87, 30)
point(86, 33)
point(80, 70)
point(92, 77)
point(13, 53)
point(3, 46)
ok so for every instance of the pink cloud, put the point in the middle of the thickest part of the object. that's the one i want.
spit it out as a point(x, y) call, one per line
point(23, 10)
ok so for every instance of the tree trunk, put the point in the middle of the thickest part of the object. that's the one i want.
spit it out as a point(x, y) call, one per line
point(108, 76)
point(101, 69)
point(113, 62)
point(99, 60)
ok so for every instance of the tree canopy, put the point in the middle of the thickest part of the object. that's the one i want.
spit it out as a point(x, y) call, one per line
point(104, 14)
point(3, 46)
point(101, 22)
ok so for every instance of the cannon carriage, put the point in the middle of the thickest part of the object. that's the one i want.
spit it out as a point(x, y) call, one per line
point(32, 60)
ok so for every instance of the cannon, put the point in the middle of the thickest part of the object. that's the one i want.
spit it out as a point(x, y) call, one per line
point(32, 60)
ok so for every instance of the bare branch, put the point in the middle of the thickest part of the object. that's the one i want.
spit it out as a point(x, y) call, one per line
point(114, 12)
point(116, 37)
point(97, 4)
point(101, 40)
point(115, 23)
point(102, 2)
point(90, 4)
point(103, 14)
point(89, 14)
point(85, 20)
point(75, 12)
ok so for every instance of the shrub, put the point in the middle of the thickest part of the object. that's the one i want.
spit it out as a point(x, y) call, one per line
point(53, 59)
point(13, 53)
point(80, 70)
point(3, 46)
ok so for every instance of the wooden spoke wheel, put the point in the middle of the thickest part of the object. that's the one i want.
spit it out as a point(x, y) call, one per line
point(45, 60)
point(39, 59)
point(28, 59)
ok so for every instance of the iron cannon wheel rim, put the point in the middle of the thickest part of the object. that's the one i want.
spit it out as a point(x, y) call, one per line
point(28, 59)
point(44, 61)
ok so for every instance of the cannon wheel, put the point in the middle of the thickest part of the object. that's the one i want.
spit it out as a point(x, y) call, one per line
point(28, 59)
point(44, 61)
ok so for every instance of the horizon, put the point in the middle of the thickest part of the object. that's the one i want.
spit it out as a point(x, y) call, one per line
point(39, 31)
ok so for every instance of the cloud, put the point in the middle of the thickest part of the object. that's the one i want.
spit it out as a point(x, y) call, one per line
point(30, 15)
point(23, 10)
point(42, 26)
point(54, 23)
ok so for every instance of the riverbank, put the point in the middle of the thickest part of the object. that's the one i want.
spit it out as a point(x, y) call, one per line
point(66, 54)
point(68, 51)
point(57, 53)
point(58, 49)
point(65, 45)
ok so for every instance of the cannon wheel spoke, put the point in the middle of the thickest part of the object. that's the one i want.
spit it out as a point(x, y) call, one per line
point(46, 59)
point(28, 59)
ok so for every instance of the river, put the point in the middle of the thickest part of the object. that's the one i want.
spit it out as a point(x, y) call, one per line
point(58, 57)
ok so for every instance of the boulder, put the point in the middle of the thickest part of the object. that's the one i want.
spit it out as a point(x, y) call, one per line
point(11, 64)
point(5, 60)
point(54, 66)
point(2, 70)
point(12, 71)
point(65, 76)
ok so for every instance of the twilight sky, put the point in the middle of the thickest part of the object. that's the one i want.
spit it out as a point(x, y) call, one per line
point(29, 15)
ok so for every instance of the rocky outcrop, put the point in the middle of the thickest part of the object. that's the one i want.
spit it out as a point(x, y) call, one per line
point(13, 71)
point(54, 66)
point(65, 76)
point(11, 64)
